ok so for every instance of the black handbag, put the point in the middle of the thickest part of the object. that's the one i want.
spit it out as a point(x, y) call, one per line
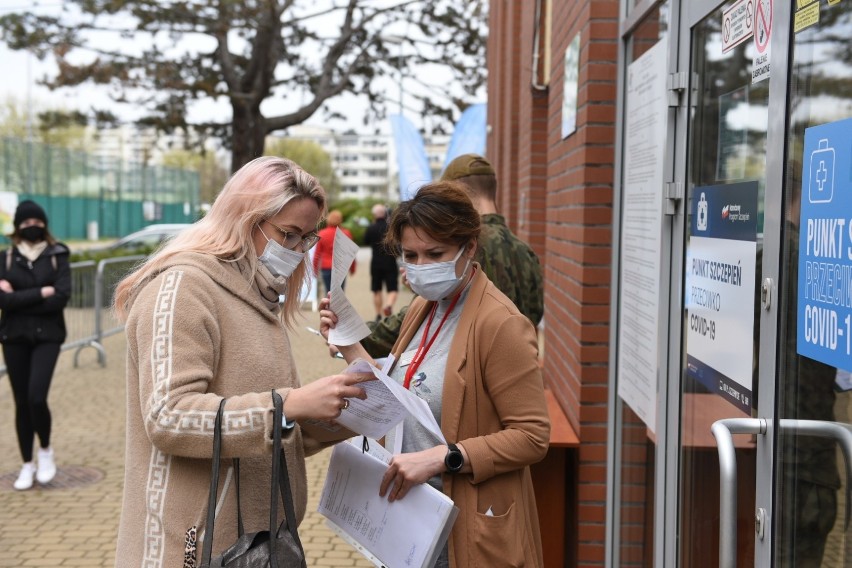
point(263, 549)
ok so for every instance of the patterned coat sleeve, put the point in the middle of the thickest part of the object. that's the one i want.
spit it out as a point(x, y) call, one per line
point(384, 334)
point(512, 266)
point(175, 341)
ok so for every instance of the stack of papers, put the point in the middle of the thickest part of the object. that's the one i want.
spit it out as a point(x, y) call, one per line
point(410, 532)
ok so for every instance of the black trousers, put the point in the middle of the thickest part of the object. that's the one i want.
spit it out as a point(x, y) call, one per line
point(30, 368)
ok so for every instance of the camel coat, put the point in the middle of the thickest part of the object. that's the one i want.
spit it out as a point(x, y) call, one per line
point(494, 406)
point(197, 332)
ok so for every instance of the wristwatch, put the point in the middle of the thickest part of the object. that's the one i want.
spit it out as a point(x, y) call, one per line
point(454, 460)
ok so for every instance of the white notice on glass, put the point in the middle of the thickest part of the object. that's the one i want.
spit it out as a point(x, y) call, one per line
point(409, 532)
point(350, 328)
point(641, 229)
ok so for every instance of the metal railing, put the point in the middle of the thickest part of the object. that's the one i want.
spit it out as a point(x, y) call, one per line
point(88, 314)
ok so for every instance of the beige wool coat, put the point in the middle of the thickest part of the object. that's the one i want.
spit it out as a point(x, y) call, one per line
point(493, 405)
point(197, 332)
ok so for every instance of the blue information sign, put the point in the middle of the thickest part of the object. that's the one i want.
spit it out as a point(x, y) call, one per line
point(721, 261)
point(824, 307)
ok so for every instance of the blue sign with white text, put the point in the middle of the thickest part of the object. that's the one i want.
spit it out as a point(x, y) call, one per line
point(824, 307)
point(726, 211)
point(721, 260)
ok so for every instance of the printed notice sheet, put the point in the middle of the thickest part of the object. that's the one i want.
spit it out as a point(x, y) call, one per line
point(386, 405)
point(350, 327)
point(409, 532)
point(640, 247)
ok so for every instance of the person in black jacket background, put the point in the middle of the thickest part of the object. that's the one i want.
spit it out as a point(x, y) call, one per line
point(35, 285)
point(383, 268)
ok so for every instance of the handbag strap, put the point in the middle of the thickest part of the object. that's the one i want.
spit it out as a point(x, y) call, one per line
point(240, 530)
point(214, 485)
point(279, 472)
point(284, 476)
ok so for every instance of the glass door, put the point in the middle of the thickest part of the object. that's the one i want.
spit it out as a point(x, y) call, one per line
point(726, 136)
point(814, 391)
point(746, 459)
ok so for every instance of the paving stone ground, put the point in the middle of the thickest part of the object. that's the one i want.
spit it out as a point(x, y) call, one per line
point(73, 520)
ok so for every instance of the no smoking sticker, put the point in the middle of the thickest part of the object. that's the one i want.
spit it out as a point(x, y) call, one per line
point(762, 37)
point(763, 25)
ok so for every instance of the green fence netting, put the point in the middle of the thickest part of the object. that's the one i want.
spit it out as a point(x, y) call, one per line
point(79, 189)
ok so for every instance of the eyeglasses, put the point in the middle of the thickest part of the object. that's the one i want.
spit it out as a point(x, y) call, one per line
point(292, 239)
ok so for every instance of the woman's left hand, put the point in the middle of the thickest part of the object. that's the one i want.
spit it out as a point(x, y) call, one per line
point(328, 319)
point(407, 470)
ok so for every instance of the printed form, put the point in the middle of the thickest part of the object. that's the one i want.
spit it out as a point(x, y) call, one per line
point(350, 327)
point(386, 405)
point(409, 532)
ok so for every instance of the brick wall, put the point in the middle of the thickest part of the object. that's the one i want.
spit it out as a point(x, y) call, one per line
point(560, 194)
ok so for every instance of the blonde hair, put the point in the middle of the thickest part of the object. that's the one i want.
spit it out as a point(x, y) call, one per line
point(257, 191)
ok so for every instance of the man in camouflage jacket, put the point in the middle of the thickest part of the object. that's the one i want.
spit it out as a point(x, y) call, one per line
point(507, 261)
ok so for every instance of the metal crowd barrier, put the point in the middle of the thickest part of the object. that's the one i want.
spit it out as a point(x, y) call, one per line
point(88, 314)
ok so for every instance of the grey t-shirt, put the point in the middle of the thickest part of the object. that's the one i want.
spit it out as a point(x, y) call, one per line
point(428, 380)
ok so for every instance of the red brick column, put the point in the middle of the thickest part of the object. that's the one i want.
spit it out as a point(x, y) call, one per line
point(558, 194)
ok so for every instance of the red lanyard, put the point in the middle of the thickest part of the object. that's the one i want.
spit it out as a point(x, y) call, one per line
point(420, 354)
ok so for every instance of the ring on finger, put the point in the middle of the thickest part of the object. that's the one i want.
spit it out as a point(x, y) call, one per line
point(345, 403)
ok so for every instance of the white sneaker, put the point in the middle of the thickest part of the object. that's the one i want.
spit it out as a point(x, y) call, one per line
point(46, 466)
point(25, 478)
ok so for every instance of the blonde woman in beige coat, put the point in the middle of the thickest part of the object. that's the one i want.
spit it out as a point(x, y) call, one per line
point(466, 349)
point(203, 323)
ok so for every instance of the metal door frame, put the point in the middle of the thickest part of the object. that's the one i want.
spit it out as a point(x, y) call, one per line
point(773, 205)
point(684, 15)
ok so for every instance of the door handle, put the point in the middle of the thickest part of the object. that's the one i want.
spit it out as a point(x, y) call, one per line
point(836, 431)
point(723, 431)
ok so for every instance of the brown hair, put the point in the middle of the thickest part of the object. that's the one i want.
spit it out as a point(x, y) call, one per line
point(334, 219)
point(442, 210)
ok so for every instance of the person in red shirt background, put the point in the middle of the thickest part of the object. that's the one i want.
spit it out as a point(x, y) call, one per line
point(325, 248)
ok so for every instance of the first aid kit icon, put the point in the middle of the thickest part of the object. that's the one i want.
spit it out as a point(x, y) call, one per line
point(821, 177)
point(702, 214)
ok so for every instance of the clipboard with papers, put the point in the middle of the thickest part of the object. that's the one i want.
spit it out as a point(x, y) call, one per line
point(410, 532)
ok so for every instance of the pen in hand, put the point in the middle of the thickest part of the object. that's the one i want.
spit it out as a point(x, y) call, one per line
point(338, 355)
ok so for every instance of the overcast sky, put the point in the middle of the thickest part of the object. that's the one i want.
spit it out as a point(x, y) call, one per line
point(21, 73)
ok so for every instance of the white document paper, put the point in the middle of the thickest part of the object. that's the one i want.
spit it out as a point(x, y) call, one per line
point(386, 405)
point(372, 447)
point(415, 405)
point(409, 532)
point(350, 328)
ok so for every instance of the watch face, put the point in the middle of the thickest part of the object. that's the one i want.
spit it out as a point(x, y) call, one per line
point(454, 460)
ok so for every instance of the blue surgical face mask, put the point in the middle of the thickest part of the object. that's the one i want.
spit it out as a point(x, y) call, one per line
point(435, 280)
point(279, 260)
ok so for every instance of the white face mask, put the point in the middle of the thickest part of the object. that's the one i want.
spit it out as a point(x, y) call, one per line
point(279, 260)
point(435, 280)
